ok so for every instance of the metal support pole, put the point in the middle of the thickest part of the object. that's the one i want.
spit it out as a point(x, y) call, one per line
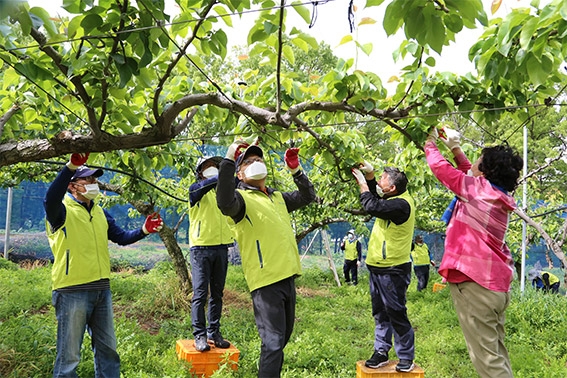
point(524, 207)
point(8, 219)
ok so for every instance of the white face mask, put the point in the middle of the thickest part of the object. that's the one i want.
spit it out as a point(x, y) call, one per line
point(92, 191)
point(469, 172)
point(256, 171)
point(379, 191)
point(210, 172)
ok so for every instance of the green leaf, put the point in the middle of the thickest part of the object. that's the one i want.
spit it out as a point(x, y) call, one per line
point(367, 21)
point(91, 22)
point(346, 39)
point(302, 11)
point(373, 3)
point(45, 18)
point(430, 61)
point(74, 6)
point(366, 48)
point(299, 42)
point(287, 52)
point(536, 72)
point(393, 17)
point(270, 28)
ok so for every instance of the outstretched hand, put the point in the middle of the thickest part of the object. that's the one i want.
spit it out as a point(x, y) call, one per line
point(291, 159)
point(77, 159)
point(236, 148)
point(358, 175)
point(153, 224)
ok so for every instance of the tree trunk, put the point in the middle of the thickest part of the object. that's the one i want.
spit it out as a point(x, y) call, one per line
point(180, 265)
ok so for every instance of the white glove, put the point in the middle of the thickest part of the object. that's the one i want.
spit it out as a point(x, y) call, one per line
point(452, 138)
point(235, 149)
point(433, 135)
point(359, 176)
point(366, 167)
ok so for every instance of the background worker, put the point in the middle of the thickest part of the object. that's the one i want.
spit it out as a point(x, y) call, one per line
point(78, 230)
point(477, 262)
point(421, 259)
point(209, 237)
point(546, 281)
point(353, 256)
point(388, 261)
point(259, 218)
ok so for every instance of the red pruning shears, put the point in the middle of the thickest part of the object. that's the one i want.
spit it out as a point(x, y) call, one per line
point(442, 134)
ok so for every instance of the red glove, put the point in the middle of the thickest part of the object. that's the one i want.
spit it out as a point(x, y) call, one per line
point(236, 149)
point(153, 223)
point(239, 150)
point(77, 159)
point(291, 159)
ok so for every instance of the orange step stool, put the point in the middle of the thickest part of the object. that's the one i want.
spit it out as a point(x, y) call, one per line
point(388, 371)
point(206, 363)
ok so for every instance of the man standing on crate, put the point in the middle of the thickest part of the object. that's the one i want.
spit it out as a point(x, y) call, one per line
point(210, 238)
point(388, 262)
point(259, 217)
point(78, 230)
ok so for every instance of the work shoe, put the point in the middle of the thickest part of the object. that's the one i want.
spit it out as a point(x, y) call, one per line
point(377, 360)
point(218, 340)
point(201, 344)
point(405, 366)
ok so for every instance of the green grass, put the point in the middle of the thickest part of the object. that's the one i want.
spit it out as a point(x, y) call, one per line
point(334, 327)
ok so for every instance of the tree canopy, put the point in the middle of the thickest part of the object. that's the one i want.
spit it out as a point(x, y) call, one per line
point(144, 90)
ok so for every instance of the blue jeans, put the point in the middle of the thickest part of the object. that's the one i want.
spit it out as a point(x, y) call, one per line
point(209, 266)
point(75, 311)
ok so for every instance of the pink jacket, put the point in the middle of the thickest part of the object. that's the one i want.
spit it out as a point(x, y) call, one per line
point(474, 244)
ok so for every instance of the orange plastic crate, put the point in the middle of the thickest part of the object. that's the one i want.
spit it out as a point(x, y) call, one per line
point(206, 363)
point(438, 287)
point(388, 371)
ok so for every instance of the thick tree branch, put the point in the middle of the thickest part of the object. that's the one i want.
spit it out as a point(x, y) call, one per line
point(556, 248)
point(13, 110)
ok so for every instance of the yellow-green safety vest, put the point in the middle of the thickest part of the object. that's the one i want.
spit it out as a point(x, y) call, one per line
point(80, 246)
point(552, 277)
point(266, 240)
point(420, 254)
point(207, 225)
point(350, 250)
point(390, 244)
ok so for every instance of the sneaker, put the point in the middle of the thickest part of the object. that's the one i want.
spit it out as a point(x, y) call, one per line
point(201, 344)
point(377, 360)
point(218, 340)
point(405, 366)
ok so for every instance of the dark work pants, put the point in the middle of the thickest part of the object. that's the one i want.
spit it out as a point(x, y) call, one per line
point(208, 269)
point(422, 274)
point(388, 287)
point(351, 269)
point(274, 311)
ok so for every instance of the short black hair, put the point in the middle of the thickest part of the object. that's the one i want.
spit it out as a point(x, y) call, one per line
point(397, 178)
point(501, 165)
